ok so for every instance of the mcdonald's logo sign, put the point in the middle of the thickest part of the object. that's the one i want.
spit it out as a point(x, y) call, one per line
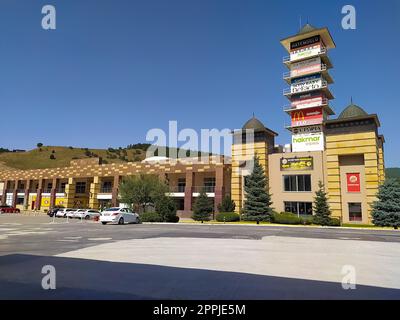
point(311, 116)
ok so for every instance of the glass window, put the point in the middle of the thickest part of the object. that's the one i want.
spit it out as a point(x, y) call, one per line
point(80, 187)
point(355, 211)
point(295, 183)
point(299, 208)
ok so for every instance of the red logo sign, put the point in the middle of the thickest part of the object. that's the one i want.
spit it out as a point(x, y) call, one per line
point(353, 182)
point(307, 117)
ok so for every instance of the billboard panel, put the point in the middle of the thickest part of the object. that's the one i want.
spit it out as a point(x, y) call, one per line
point(306, 83)
point(305, 42)
point(309, 129)
point(353, 182)
point(307, 117)
point(309, 100)
point(297, 164)
point(305, 52)
point(308, 142)
point(305, 67)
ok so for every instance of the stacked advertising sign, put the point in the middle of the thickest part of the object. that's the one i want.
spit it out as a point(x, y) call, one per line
point(307, 117)
point(297, 164)
point(305, 48)
point(308, 139)
point(306, 83)
point(305, 67)
point(308, 100)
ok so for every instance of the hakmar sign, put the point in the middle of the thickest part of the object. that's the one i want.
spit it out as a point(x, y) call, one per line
point(308, 142)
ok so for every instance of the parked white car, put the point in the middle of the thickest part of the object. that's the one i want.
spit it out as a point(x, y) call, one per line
point(63, 212)
point(86, 214)
point(119, 215)
point(77, 213)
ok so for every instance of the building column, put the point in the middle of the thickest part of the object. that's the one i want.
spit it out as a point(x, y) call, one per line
point(219, 186)
point(15, 193)
point(188, 191)
point(39, 195)
point(26, 196)
point(70, 189)
point(53, 194)
point(94, 191)
point(4, 195)
point(114, 200)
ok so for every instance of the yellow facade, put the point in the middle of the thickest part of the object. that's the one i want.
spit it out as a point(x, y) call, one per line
point(365, 144)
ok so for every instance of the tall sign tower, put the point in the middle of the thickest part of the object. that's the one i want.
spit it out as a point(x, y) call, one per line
point(309, 79)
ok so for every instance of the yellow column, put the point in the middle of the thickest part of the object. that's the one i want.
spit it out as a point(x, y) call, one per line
point(70, 193)
point(94, 191)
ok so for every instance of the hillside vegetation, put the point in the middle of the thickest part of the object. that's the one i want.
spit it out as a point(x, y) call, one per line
point(57, 156)
point(54, 156)
point(393, 173)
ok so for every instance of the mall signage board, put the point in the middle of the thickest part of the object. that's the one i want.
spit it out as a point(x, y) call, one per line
point(353, 182)
point(305, 52)
point(308, 129)
point(297, 164)
point(295, 45)
point(306, 83)
point(308, 100)
point(308, 142)
point(305, 67)
point(307, 117)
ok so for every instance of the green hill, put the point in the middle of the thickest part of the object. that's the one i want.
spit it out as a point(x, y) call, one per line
point(393, 173)
point(57, 156)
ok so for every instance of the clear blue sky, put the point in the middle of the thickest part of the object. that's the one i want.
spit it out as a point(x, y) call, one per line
point(115, 69)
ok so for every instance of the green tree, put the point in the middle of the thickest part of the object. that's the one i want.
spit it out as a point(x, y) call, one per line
point(386, 211)
point(166, 208)
point(203, 207)
point(227, 204)
point(39, 145)
point(321, 206)
point(142, 190)
point(257, 205)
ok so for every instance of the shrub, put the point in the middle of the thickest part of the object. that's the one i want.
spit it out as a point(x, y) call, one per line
point(227, 205)
point(173, 219)
point(335, 222)
point(52, 157)
point(227, 216)
point(260, 217)
point(150, 217)
point(286, 218)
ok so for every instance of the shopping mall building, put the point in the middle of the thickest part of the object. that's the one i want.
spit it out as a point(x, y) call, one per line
point(344, 152)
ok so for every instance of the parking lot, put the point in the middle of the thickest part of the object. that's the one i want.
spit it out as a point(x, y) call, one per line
point(178, 261)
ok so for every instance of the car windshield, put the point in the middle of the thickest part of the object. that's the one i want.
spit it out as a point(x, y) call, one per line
point(112, 209)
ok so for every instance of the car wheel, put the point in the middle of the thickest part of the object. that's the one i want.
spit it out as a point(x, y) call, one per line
point(87, 217)
point(138, 220)
point(121, 221)
point(103, 222)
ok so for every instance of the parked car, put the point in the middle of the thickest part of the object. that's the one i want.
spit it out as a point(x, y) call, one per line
point(119, 215)
point(87, 214)
point(53, 212)
point(63, 212)
point(72, 214)
point(8, 209)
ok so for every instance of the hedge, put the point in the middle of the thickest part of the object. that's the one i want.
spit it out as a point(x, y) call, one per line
point(155, 217)
point(227, 217)
point(286, 218)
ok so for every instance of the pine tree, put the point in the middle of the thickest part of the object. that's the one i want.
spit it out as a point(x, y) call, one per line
point(227, 205)
point(321, 207)
point(202, 207)
point(386, 211)
point(257, 205)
